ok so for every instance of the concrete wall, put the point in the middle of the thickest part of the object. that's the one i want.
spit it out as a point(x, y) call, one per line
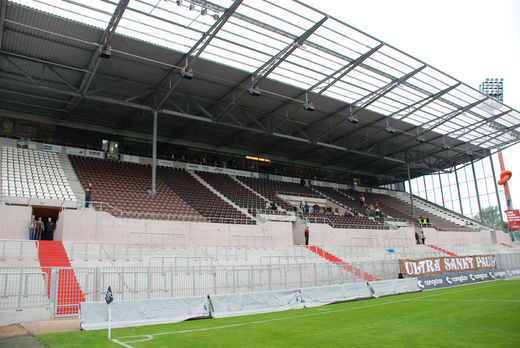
point(482, 236)
point(321, 234)
point(90, 225)
point(14, 222)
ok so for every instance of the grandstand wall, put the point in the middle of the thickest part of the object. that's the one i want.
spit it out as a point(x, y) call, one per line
point(94, 226)
point(15, 221)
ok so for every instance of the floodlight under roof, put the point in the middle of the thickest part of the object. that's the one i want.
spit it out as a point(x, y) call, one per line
point(352, 119)
point(446, 147)
point(309, 106)
point(420, 139)
point(187, 73)
point(468, 153)
point(254, 91)
point(390, 130)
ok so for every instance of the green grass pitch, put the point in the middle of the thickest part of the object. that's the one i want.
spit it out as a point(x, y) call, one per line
point(480, 315)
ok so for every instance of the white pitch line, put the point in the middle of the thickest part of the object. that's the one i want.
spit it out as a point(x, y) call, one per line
point(467, 300)
point(151, 336)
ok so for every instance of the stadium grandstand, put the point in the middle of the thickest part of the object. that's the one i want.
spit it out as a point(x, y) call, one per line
point(182, 148)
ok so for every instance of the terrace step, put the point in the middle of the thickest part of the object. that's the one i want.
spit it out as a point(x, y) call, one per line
point(339, 262)
point(52, 254)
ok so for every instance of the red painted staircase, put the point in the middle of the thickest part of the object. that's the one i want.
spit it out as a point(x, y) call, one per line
point(339, 262)
point(441, 250)
point(53, 254)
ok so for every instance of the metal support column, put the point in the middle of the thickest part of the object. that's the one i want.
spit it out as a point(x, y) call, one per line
point(154, 153)
point(425, 187)
point(476, 190)
point(458, 191)
point(442, 192)
point(410, 188)
point(496, 190)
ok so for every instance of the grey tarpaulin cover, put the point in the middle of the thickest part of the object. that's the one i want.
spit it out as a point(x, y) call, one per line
point(94, 315)
point(321, 295)
point(255, 302)
point(393, 287)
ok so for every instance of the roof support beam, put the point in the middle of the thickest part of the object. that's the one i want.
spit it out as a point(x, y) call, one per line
point(329, 81)
point(95, 60)
point(371, 98)
point(268, 67)
point(193, 54)
point(442, 120)
point(409, 110)
point(3, 10)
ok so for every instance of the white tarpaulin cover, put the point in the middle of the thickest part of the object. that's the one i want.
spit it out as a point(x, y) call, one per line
point(94, 315)
point(321, 295)
point(229, 305)
point(393, 287)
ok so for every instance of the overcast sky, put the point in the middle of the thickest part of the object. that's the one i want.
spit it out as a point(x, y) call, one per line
point(467, 39)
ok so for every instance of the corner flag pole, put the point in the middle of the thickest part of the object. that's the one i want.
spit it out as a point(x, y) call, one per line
point(108, 299)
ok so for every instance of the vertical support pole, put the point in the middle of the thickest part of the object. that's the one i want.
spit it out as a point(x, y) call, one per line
point(154, 153)
point(458, 190)
point(425, 188)
point(410, 187)
point(476, 190)
point(496, 190)
point(442, 191)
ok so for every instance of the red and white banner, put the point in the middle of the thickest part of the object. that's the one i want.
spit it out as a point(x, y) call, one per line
point(513, 217)
point(440, 265)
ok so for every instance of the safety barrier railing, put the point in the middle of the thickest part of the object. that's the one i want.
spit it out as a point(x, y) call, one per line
point(187, 261)
point(19, 249)
point(279, 259)
point(249, 241)
point(166, 238)
point(23, 287)
point(26, 287)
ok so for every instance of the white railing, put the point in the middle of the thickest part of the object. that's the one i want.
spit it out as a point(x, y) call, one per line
point(251, 241)
point(11, 248)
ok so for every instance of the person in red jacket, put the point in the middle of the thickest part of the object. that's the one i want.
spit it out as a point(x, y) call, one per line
point(306, 235)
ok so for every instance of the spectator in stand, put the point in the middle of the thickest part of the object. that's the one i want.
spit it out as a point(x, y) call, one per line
point(50, 226)
point(378, 205)
point(267, 205)
point(306, 206)
point(39, 229)
point(88, 196)
point(362, 200)
point(377, 212)
point(427, 221)
point(306, 234)
point(316, 208)
point(32, 228)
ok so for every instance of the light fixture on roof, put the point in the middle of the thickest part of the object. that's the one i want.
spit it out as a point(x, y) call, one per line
point(192, 7)
point(468, 153)
point(420, 139)
point(352, 119)
point(389, 129)
point(446, 146)
point(309, 106)
point(254, 91)
point(187, 73)
point(179, 2)
point(204, 11)
point(216, 17)
point(105, 51)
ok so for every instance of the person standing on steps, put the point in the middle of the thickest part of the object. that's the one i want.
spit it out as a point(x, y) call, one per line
point(39, 229)
point(32, 228)
point(306, 233)
point(88, 195)
point(50, 226)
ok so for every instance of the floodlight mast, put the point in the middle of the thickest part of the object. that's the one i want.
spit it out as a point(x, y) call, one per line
point(494, 87)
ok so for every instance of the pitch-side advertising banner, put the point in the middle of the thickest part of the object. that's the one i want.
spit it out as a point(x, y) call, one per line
point(440, 265)
point(513, 217)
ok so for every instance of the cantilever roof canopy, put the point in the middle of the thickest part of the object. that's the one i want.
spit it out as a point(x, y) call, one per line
point(375, 108)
